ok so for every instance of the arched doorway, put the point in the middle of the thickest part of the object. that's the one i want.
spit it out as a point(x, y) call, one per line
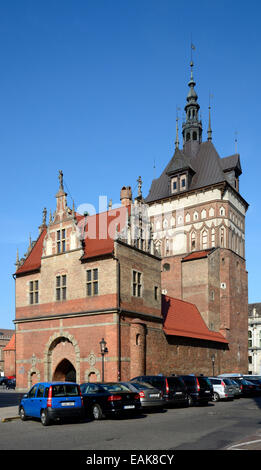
point(65, 371)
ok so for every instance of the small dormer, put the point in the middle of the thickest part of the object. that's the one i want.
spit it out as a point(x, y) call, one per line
point(180, 173)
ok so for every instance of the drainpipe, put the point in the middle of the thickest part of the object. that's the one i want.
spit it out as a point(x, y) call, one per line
point(119, 317)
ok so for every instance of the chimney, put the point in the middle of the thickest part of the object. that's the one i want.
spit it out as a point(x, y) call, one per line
point(126, 196)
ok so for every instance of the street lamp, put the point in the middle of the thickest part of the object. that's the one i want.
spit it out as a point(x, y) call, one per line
point(104, 350)
point(213, 364)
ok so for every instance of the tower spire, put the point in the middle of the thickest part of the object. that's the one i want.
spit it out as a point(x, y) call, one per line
point(209, 121)
point(192, 127)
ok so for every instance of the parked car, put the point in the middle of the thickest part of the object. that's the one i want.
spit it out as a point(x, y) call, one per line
point(173, 389)
point(150, 397)
point(199, 389)
point(237, 389)
point(248, 389)
point(11, 384)
point(255, 379)
point(222, 388)
point(3, 380)
point(109, 399)
point(52, 400)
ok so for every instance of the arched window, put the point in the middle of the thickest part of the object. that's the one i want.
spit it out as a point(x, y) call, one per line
point(166, 267)
point(195, 136)
point(204, 239)
point(188, 137)
point(193, 241)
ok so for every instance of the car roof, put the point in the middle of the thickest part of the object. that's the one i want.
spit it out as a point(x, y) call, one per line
point(55, 383)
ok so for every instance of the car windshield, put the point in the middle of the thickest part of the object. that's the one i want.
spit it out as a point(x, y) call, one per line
point(175, 383)
point(204, 382)
point(65, 390)
point(115, 388)
point(142, 385)
point(228, 381)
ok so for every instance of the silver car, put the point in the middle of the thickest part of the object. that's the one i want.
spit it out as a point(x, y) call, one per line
point(236, 387)
point(221, 390)
point(150, 397)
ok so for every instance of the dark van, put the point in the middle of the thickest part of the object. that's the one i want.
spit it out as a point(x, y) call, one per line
point(199, 389)
point(173, 388)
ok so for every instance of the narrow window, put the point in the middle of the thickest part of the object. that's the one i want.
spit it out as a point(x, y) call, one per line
point(34, 292)
point(156, 290)
point(92, 282)
point(136, 284)
point(61, 240)
point(61, 286)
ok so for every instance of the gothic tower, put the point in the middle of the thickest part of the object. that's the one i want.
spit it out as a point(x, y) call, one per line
point(198, 219)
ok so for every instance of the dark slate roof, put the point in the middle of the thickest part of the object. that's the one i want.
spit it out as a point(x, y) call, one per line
point(179, 161)
point(232, 162)
point(208, 167)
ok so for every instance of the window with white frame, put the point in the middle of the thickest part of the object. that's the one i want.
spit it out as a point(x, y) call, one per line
point(204, 239)
point(174, 185)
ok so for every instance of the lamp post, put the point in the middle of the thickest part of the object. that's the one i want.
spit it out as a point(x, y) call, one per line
point(104, 350)
point(213, 364)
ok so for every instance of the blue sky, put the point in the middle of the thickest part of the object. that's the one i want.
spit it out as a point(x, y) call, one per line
point(92, 86)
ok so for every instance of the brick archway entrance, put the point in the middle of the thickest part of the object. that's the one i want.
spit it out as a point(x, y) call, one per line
point(65, 371)
point(62, 358)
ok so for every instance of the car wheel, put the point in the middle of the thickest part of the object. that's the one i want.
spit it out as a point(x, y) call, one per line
point(45, 420)
point(97, 412)
point(216, 396)
point(22, 414)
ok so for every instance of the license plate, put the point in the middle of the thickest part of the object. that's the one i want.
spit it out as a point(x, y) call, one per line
point(207, 391)
point(154, 395)
point(129, 407)
point(178, 393)
point(68, 403)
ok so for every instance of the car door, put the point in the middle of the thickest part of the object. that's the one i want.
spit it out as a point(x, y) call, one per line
point(37, 403)
point(28, 403)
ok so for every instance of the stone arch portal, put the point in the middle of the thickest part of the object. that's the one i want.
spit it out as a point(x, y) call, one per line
point(62, 358)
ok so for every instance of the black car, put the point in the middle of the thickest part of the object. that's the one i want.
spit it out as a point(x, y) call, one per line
point(3, 380)
point(199, 389)
point(248, 389)
point(109, 399)
point(173, 389)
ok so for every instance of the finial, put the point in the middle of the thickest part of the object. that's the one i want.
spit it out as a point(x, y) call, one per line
point(17, 257)
point(177, 131)
point(209, 120)
point(110, 204)
point(44, 216)
point(139, 186)
point(236, 141)
point(73, 209)
point(61, 180)
point(50, 217)
point(30, 243)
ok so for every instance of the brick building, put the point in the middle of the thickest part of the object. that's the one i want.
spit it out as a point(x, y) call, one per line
point(92, 277)
point(254, 338)
point(5, 336)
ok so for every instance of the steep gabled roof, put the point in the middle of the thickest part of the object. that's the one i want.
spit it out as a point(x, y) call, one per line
point(97, 231)
point(11, 345)
point(33, 261)
point(183, 319)
point(207, 169)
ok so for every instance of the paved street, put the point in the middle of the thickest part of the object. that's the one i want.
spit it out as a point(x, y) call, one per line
point(215, 427)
